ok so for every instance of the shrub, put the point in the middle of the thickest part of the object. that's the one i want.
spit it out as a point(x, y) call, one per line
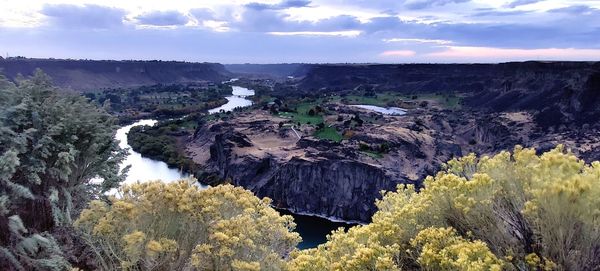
point(175, 226)
point(514, 211)
point(53, 148)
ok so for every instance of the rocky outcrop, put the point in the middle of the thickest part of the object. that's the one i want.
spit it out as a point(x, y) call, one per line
point(532, 104)
point(328, 185)
point(343, 179)
point(342, 189)
point(86, 75)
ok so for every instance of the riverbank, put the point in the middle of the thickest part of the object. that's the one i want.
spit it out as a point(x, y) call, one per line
point(143, 168)
point(166, 141)
point(312, 228)
point(161, 144)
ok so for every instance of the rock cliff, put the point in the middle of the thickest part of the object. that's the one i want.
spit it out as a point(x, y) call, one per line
point(309, 175)
point(87, 75)
point(558, 92)
point(325, 184)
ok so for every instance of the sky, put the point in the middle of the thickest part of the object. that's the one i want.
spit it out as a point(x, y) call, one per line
point(308, 31)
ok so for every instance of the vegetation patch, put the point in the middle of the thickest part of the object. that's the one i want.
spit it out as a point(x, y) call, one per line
point(160, 143)
point(373, 154)
point(329, 133)
point(474, 215)
point(449, 101)
point(162, 101)
point(304, 113)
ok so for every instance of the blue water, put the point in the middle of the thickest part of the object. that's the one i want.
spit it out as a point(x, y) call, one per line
point(313, 229)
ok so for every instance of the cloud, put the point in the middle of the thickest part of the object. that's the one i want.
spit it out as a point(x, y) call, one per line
point(202, 14)
point(282, 5)
point(86, 16)
point(301, 30)
point(422, 4)
point(518, 3)
point(415, 40)
point(576, 10)
point(163, 18)
point(274, 20)
point(401, 53)
point(499, 13)
point(488, 53)
point(349, 33)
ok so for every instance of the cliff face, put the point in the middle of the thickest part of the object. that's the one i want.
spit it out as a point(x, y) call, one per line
point(320, 177)
point(87, 75)
point(558, 92)
point(264, 70)
point(341, 188)
point(531, 104)
point(326, 185)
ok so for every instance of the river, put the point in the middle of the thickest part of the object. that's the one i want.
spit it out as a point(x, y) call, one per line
point(312, 229)
point(395, 111)
point(237, 99)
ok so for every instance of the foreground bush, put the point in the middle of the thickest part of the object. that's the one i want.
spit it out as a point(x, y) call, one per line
point(52, 146)
point(514, 211)
point(178, 226)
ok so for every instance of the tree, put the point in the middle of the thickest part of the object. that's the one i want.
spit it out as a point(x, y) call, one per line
point(56, 152)
point(514, 211)
point(175, 226)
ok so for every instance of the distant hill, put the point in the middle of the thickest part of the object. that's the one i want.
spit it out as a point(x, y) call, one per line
point(89, 75)
point(559, 92)
point(265, 70)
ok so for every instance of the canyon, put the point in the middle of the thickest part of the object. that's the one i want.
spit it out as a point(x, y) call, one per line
point(452, 110)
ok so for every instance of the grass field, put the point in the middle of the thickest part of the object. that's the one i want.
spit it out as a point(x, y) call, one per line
point(447, 101)
point(302, 115)
point(382, 99)
point(329, 133)
point(373, 154)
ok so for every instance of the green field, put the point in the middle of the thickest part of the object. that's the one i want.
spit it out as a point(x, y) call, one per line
point(381, 99)
point(302, 115)
point(329, 133)
point(373, 154)
point(384, 99)
point(446, 101)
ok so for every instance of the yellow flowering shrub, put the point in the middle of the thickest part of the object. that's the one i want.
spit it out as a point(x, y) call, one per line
point(513, 211)
point(175, 226)
point(443, 249)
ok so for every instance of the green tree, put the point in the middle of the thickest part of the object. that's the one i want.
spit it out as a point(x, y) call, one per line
point(56, 153)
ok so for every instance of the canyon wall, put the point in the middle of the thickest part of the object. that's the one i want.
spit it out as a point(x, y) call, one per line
point(558, 92)
point(90, 75)
point(327, 185)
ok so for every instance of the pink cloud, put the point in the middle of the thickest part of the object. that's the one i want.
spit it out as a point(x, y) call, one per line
point(458, 52)
point(399, 53)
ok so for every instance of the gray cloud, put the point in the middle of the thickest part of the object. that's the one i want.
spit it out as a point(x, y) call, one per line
point(203, 14)
point(576, 26)
point(273, 20)
point(87, 16)
point(498, 13)
point(282, 5)
point(518, 3)
point(162, 18)
point(422, 4)
point(577, 10)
